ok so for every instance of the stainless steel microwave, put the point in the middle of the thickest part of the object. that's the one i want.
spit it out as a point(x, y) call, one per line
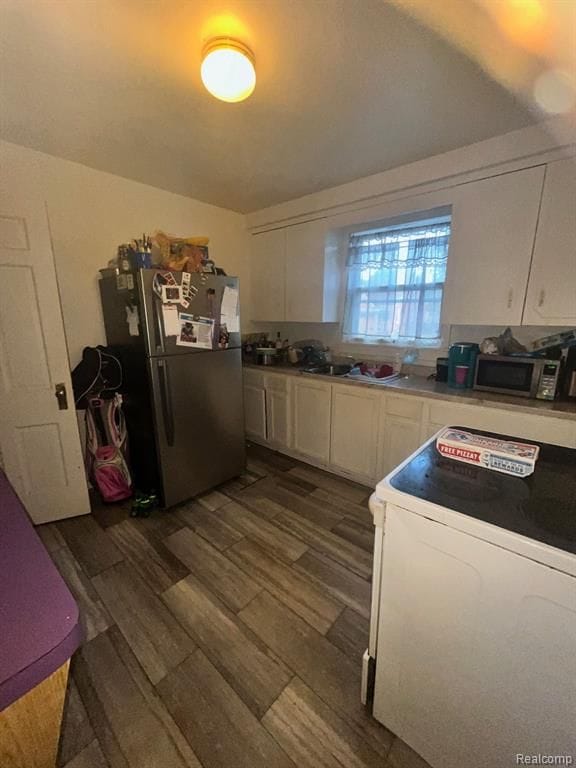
point(522, 376)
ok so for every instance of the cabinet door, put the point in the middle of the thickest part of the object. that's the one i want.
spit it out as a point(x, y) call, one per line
point(268, 278)
point(255, 412)
point(551, 296)
point(305, 272)
point(353, 443)
point(493, 228)
point(278, 411)
point(400, 438)
point(311, 419)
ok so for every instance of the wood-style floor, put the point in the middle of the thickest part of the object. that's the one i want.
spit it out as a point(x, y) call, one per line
point(226, 633)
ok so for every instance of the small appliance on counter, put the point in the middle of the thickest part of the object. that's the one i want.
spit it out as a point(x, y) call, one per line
point(517, 375)
point(266, 355)
point(567, 388)
point(461, 364)
point(442, 369)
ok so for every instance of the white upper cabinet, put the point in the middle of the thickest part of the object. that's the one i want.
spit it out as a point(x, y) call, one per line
point(268, 273)
point(551, 298)
point(311, 268)
point(295, 275)
point(493, 229)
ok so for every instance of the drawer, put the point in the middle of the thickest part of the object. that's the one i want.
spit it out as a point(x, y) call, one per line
point(408, 407)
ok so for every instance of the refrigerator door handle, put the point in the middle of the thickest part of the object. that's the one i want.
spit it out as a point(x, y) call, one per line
point(166, 401)
point(159, 327)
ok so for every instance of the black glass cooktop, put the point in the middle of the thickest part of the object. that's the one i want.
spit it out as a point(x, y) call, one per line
point(541, 506)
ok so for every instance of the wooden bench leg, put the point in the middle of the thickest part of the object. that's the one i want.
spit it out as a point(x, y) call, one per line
point(30, 726)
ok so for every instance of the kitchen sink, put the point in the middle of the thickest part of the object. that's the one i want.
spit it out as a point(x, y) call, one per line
point(328, 369)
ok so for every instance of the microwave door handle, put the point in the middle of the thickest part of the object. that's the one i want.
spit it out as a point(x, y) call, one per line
point(166, 401)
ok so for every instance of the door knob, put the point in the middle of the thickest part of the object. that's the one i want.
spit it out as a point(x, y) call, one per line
point(60, 392)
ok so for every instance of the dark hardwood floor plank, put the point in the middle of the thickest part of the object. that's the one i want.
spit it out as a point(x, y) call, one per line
point(89, 544)
point(256, 501)
point(153, 700)
point(213, 500)
point(152, 560)
point(356, 533)
point(350, 633)
point(217, 724)
point(342, 551)
point(51, 537)
point(231, 584)
point(337, 485)
point(93, 615)
point(240, 656)
point(77, 732)
point(322, 666)
point(138, 732)
point(154, 635)
point(96, 712)
point(90, 757)
point(318, 512)
point(313, 734)
point(345, 586)
point(280, 543)
point(359, 512)
point(295, 484)
point(210, 526)
point(160, 523)
point(296, 590)
point(276, 462)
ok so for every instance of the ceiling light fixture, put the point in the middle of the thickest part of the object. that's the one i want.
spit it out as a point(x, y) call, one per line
point(227, 69)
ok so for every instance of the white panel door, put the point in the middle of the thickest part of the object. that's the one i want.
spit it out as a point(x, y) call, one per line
point(39, 438)
point(311, 419)
point(493, 228)
point(255, 412)
point(551, 296)
point(354, 438)
point(475, 653)
point(268, 276)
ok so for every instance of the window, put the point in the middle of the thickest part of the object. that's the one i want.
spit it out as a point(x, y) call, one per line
point(395, 284)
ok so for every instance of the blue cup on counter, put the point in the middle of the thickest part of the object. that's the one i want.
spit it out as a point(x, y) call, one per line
point(461, 364)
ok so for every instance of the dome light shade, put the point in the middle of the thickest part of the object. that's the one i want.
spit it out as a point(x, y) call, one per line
point(227, 70)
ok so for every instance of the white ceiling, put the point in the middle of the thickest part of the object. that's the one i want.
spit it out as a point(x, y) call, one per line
point(345, 88)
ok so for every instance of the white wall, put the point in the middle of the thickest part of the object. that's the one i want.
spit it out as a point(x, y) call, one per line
point(91, 212)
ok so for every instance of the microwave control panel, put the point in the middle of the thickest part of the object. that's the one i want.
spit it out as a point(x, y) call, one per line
point(548, 381)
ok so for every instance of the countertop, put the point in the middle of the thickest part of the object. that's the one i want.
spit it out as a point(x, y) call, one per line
point(39, 620)
point(422, 387)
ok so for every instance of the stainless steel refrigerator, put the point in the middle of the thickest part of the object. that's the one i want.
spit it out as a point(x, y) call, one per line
point(178, 338)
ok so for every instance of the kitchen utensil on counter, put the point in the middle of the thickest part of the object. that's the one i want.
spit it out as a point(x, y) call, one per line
point(442, 369)
point(266, 355)
point(461, 364)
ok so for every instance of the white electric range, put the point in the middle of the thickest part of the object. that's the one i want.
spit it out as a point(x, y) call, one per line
point(472, 651)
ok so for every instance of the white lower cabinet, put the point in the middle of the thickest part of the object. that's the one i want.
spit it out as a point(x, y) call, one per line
point(354, 431)
point(278, 411)
point(364, 434)
point(311, 419)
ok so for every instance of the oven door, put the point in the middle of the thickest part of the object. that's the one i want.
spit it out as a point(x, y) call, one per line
point(507, 375)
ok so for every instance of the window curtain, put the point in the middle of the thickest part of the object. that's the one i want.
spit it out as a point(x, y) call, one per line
point(395, 284)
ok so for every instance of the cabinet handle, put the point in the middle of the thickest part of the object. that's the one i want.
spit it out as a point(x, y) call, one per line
point(510, 297)
point(541, 297)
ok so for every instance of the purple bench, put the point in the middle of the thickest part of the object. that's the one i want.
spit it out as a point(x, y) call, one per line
point(39, 621)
